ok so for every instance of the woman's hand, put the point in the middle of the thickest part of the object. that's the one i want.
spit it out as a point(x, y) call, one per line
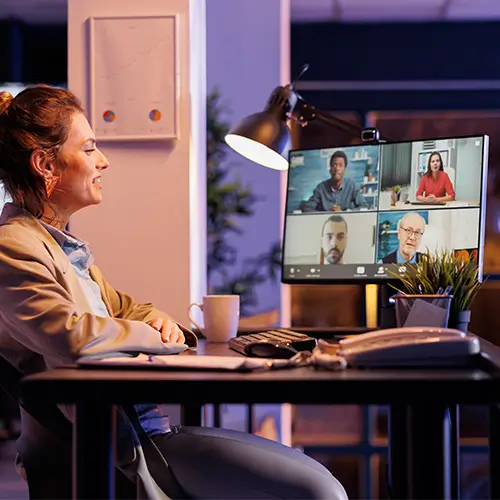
point(168, 329)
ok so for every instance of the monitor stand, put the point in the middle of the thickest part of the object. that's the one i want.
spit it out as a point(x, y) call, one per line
point(386, 318)
point(386, 315)
point(386, 309)
point(332, 332)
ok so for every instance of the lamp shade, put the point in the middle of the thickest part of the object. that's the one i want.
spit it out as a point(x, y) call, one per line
point(262, 138)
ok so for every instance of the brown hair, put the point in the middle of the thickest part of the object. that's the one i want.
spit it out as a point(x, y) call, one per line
point(38, 118)
point(441, 166)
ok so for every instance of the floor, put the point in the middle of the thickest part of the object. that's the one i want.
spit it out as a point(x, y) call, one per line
point(12, 487)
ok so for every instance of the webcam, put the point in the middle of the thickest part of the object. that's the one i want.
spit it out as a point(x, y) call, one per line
point(370, 135)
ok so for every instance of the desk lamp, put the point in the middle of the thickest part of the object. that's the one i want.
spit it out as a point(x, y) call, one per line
point(263, 137)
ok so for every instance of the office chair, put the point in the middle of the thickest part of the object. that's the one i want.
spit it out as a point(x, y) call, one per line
point(49, 476)
point(42, 484)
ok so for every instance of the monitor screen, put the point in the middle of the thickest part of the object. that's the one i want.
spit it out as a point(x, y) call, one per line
point(351, 211)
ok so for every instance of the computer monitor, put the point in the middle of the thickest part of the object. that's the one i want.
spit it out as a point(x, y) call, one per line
point(352, 211)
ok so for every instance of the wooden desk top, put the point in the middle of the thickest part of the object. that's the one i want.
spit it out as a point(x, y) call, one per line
point(300, 385)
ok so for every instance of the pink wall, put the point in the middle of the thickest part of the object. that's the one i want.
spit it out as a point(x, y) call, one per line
point(149, 234)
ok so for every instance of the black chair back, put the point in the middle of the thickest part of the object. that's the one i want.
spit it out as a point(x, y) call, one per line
point(48, 415)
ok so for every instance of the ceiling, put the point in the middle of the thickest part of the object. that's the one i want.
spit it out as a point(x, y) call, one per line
point(54, 11)
point(394, 10)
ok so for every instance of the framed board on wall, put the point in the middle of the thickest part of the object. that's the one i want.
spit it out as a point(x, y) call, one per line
point(134, 77)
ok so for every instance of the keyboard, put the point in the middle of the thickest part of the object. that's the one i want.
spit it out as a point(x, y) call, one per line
point(297, 341)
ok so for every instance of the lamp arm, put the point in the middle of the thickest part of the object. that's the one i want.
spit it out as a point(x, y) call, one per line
point(337, 122)
point(304, 113)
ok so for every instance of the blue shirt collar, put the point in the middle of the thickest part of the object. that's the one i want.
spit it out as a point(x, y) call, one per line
point(401, 260)
point(77, 250)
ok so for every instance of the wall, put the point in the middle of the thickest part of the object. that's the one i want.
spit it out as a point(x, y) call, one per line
point(398, 66)
point(149, 233)
point(451, 230)
point(247, 57)
point(468, 183)
point(387, 51)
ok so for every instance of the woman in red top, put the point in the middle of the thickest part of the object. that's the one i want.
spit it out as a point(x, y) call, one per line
point(435, 184)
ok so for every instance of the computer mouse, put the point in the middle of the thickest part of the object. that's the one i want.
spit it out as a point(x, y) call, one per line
point(269, 349)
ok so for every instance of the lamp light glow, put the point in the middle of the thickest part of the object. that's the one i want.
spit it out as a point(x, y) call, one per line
point(257, 152)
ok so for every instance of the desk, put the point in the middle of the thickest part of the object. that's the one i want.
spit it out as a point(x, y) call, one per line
point(399, 206)
point(449, 204)
point(421, 398)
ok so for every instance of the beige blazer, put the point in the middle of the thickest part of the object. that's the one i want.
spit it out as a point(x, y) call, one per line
point(45, 318)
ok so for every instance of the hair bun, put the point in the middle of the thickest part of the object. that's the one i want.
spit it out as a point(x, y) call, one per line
point(5, 101)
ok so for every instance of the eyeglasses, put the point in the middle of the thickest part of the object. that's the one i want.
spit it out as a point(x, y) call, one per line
point(412, 232)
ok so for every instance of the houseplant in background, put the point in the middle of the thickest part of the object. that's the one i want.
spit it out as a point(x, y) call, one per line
point(229, 203)
point(395, 195)
point(456, 271)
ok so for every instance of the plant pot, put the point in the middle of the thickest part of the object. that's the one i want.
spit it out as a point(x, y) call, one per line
point(422, 310)
point(462, 321)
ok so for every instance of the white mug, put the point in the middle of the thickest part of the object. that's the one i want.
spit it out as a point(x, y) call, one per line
point(221, 315)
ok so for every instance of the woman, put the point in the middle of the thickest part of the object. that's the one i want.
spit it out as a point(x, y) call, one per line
point(435, 185)
point(55, 306)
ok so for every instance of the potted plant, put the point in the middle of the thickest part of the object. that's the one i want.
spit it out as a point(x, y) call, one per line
point(229, 203)
point(456, 271)
point(395, 195)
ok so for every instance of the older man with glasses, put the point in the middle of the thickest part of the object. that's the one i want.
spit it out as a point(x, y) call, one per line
point(411, 227)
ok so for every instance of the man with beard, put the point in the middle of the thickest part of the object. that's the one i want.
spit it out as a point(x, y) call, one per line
point(333, 240)
point(335, 194)
point(411, 227)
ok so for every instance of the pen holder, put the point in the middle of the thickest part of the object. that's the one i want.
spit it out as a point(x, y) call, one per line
point(422, 310)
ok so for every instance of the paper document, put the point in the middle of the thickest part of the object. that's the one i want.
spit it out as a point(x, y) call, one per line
point(425, 313)
point(231, 363)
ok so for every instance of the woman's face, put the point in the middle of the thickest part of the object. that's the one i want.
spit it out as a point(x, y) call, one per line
point(81, 166)
point(435, 163)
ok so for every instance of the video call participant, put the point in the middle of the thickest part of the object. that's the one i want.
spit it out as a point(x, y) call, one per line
point(411, 227)
point(334, 239)
point(435, 185)
point(335, 194)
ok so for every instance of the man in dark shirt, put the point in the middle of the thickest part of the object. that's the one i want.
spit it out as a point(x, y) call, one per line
point(335, 194)
point(333, 240)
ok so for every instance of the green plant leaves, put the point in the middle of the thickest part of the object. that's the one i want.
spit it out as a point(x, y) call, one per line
point(440, 270)
point(228, 201)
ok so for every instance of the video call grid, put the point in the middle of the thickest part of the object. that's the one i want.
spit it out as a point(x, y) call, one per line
point(465, 167)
